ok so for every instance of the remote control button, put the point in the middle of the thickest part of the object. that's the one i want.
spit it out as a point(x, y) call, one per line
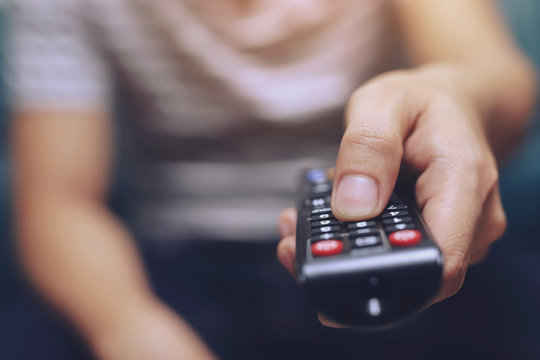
point(394, 207)
point(374, 307)
point(374, 281)
point(316, 176)
point(329, 216)
point(397, 227)
point(321, 188)
point(364, 232)
point(327, 248)
point(405, 237)
point(361, 224)
point(326, 197)
point(398, 213)
point(367, 241)
point(325, 229)
point(397, 220)
point(324, 223)
point(321, 211)
point(326, 236)
point(317, 202)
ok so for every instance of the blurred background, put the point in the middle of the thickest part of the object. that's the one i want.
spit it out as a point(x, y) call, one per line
point(510, 273)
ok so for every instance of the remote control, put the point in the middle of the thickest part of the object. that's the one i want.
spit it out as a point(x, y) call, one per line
point(365, 274)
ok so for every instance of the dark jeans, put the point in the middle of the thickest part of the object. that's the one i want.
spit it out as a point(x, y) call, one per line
point(246, 306)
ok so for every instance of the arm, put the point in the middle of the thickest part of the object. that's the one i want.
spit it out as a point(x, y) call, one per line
point(466, 101)
point(470, 40)
point(75, 251)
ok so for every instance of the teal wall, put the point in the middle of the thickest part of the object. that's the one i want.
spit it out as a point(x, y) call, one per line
point(523, 16)
point(520, 177)
point(6, 260)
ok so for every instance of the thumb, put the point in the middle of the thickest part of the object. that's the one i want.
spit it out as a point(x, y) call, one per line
point(369, 156)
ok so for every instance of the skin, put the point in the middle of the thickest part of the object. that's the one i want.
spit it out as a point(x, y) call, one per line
point(467, 100)
point(449, 119)
point(76, 252)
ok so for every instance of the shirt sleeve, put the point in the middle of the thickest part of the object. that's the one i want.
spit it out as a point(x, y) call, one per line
point(53, 60)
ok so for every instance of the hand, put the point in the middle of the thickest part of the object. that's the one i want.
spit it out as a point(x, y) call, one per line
point(148, 332)
point(423, 120)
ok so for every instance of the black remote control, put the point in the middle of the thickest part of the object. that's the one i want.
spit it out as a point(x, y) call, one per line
point(370, 273)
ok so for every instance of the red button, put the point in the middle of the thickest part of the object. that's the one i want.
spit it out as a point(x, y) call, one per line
point(327, 248)
point(405, 237)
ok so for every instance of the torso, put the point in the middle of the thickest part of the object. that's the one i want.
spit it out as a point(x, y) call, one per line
point(252, 85)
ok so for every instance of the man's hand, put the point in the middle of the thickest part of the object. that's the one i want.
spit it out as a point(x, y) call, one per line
point(446, 120)
point(423, 119)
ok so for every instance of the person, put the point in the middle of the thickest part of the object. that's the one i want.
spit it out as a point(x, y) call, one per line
point(227, 100)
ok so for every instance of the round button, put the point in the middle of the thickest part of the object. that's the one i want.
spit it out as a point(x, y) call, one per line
point(316, 176)
point(405, 237)
point(327, 248)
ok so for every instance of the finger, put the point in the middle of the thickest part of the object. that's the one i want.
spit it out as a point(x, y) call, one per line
point(458, 174)
point(287, 222)
point(479, 255)
point(330, 173)
point(492, 225)
point(451, 207)
point(286, 253)
point(286, 250)
point(370, 153)
point(329, 323)
point(490, 228)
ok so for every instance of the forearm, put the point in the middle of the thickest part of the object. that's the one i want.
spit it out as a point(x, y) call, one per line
point(466, 46)
point(503, 94)
point(76, 252)
point(82, 259)
point(84, 262)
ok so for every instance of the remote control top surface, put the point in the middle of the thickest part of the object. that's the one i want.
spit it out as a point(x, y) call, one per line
point(369, 273)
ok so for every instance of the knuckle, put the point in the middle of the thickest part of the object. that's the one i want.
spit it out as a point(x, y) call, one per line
point(454, 276)
point(443, 97)
point(479, 256)
point(489, 180)
point(482, 164)
point(502, 224)
point(474, 160)
point(492, 173)
point(498, 226)
point(486, 166)
point(376, 139)
point(460, 157)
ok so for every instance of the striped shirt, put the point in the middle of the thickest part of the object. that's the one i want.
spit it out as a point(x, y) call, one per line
point(228, 99)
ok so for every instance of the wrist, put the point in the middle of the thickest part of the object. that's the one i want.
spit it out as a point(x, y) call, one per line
point(502, 96)
point(501, 92)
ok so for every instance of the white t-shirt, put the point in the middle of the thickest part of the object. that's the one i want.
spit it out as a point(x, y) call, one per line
point(228, 98)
